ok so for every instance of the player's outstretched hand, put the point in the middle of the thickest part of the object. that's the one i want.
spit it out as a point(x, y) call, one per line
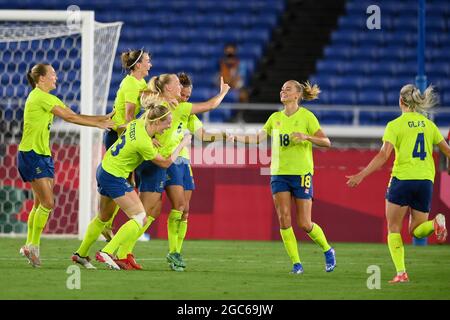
point(354, 180)
point(105, 124)
point(110, 115)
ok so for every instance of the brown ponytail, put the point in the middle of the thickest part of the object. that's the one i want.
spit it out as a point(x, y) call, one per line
point(131, 58)
point(38, 70)
point(185, 80)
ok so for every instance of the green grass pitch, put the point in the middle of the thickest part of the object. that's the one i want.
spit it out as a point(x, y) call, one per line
point(227, 270)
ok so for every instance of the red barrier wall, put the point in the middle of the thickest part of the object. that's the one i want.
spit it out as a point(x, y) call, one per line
point(235, 202)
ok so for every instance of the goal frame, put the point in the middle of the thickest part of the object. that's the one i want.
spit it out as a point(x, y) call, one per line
point(86, 200)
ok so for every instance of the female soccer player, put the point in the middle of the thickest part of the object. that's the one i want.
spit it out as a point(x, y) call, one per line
point(34, 159)
point(195, 126)
point(127, 105)
point(178, 176)
point(294, 130)
point(134, 146)
point(412, 136)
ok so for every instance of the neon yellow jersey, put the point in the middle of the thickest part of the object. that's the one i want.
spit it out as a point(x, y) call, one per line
point(290, 158)
point(129, 91)
point(193, 124)
point(132, 148)
point(172, 136)
point(413, 137)
point(37, 120)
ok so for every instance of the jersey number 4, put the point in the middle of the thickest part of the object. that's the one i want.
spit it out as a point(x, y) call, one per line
point(119, 146)
point(419, 147)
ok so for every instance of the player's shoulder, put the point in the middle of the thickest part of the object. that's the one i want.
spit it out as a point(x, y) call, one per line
point(275, 115)
point(304, 111)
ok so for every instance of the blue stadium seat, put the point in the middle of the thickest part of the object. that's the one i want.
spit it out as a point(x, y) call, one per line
point(371, 97)
point(343, 97)
point(442, 119)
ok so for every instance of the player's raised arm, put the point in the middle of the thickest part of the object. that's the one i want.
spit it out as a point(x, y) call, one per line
point(213, 102)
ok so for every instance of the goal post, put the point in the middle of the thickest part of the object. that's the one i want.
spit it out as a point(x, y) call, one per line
point(83, 51)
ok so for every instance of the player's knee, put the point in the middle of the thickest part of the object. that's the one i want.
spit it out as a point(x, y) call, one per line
point(285, 221)
point(305, 226)
point(180, 206)
point(141, 218)
point(48, 203)
point(184, 216)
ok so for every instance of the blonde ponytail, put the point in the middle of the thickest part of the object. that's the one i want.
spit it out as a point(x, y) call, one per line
point(308, 91)
point(417, 101)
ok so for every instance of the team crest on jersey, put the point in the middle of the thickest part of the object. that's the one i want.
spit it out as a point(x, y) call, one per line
point(277, 124)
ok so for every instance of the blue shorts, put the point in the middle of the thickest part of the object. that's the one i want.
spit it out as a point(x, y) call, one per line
point(150, 177)
point(180, 175)
point(301, 187)
point(109, 137)
point(34, 166)
point(416, 194)
point(111, 186)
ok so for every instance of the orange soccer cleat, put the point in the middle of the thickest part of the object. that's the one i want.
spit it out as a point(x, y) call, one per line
point(403, 277)
point(132, 262)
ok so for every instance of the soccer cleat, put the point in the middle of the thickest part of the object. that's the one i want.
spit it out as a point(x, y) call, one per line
point(330, 260)
point(124, 264)
point(439, 228)
point(32, 254)
point(173, 258)
point(403, 277)
point(181, 263)
point(174, 267)
point(297, 268)
point(132, 262)
point(84, 261)
point(107, 233)
point(24, 251)
point(107, 259)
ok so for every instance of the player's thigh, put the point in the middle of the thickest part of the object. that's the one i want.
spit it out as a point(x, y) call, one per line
point(130, 203)
point(394, 216)
point(417, 218)
point(187, 199)
point(107, 208)
point(150, 201)
point(303, 213)
point(43, 190)
point(282, 202)
point(175, 193)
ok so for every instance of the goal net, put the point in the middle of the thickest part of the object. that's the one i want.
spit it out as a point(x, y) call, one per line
point(82, 53)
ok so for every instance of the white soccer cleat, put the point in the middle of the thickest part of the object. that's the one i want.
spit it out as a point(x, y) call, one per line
point(32, 254)
point(84, 261)
point(439, 228)
point(106, 258)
